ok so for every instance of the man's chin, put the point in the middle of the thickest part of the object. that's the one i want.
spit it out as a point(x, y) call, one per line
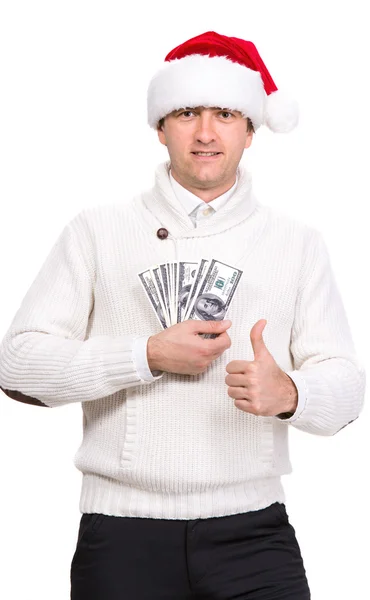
point(206, 176)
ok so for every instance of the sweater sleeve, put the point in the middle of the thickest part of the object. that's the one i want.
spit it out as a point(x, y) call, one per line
point(329, 378)
point(44, 354)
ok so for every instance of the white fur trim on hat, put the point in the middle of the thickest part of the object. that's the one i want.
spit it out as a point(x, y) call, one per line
point(199, 80)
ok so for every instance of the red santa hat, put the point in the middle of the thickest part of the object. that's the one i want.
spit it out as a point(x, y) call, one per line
point(216, 70)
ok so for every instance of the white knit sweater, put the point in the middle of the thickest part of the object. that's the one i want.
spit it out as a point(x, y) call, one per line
point(176, 447)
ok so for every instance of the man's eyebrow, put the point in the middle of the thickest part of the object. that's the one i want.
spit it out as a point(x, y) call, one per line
point(184, 108)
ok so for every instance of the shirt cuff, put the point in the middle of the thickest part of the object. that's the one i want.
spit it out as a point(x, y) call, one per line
point(140, 359)
point(302, 395)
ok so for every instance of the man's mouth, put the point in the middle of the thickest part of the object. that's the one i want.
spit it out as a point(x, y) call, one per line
point(206, 153)
point(206, 156)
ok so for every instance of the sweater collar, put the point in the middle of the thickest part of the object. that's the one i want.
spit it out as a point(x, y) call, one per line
point(170, 213)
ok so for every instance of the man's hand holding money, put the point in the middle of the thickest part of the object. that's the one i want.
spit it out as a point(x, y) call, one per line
point(259, 386)
point(179, 349)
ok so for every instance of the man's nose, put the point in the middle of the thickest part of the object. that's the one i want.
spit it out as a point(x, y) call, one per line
point(205, 133)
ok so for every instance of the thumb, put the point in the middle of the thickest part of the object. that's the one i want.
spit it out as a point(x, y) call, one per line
point(211, 326)
point(259, 347)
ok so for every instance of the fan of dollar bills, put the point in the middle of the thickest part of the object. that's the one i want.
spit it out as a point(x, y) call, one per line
point(179, 291)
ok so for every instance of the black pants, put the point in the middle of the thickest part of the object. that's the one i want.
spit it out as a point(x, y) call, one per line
point(253, 555)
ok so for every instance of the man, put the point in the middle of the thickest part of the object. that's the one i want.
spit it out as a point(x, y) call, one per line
point(185, 438)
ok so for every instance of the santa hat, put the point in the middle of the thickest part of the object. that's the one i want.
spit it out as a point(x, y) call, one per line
point(216, 70)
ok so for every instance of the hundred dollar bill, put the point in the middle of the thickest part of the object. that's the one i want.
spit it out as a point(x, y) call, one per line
point(169, 270)
point(166, 286)
point(151, 292)
point(186, 276)
point(158, 283)
point(202, 269)
point(175, 267)
point(215, 292)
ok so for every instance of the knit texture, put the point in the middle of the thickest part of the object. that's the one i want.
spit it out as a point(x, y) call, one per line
point(176, 447)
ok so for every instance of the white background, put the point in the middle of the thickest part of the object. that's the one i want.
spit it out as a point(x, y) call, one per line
point(73, 80)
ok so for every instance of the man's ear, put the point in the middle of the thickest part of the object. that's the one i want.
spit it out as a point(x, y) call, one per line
point(249, 139)
point(161, 136)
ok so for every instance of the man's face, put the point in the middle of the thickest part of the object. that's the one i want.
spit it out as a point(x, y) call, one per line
point(187, 132)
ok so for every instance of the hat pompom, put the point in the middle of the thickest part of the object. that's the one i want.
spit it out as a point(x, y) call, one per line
point(281, 112)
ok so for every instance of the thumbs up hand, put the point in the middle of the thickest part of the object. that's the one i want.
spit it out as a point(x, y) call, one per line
point(259, 386)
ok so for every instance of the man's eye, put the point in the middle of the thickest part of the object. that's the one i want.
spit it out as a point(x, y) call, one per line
point(186, 113)
point(226, 114)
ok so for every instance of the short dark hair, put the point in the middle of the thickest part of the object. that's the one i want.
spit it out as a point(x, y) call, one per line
point(250, 126)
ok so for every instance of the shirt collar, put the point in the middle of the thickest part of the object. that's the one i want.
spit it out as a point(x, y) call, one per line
point(190, 201)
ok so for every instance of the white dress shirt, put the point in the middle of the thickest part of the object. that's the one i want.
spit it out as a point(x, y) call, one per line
point(198, 210)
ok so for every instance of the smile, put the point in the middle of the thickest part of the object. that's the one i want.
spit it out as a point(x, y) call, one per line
point(206, 155)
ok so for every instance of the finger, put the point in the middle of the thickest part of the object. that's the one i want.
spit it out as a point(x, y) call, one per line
point(238, 393)
point(237, 366)
point(246, 406)
point(236, 380)
point(223, 341)
point(258, 344)
point(217, 346)
point(210, 326)
point(217, 354)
